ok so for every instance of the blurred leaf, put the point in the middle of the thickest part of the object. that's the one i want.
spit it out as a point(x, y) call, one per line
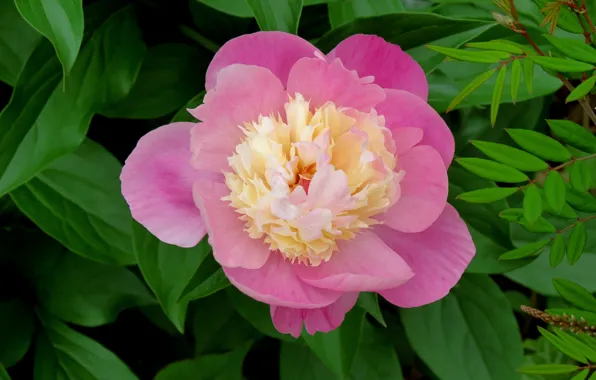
point(369, 302)
point(563, 346)
point(204, 284)
point(512, 214)
point(470, 334)
point(580, 200)
point(573, 134)
point(512, 157)
point(525, 250)
point(16, 329)
point(298, 362)
point(540, 144)
point(582, 375)
point(554, 190)
point(183, 114)
point(541, 225)
point(582, 90)
point(238, 8)
point(3, 373)
point(574, 49)
point(499, 45)
point(277, 15)
point(471, 56)
point(557, 251)
point(492, 170)
point(576, 242)
point(532, 204)
point(549, 369)
point(515, 79)
point(471, 87)
point(561, 64)
point(580, 176)
point(487, 195)
point(63, 353)
point(45, 121)
point(343, 12)
point(77, 200)
point(529, 74)
point(168, 269)
point(516, 299)
point(576, 294)
point(61, 21)
point(375, 358)
point(497, 93)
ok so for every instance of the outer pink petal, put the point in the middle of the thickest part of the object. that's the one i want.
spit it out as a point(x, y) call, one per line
point(289, 321)
point(438, 256)
point(157, 184)
point(424, 191)
point(277, 284)
point(232, 247)
point(402, 109)
point(406, 138)
point(320, 82)
point(275, 51)
point(363, 264)
point(242, 94)
point(391, 67)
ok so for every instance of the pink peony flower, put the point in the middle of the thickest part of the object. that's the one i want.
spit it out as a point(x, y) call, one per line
point(316, 178)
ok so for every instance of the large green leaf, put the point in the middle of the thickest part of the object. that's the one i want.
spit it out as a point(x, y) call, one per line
point(16, 329)
point(77, 200)
point(298, 362)
point(17, 41)
point(343, 12)
point(168, 269)
point(43, 120)
point(277, 15)
point(62, 353)
point(375, 358)
point(238, 8)
point(61, 21)
point(470, 334)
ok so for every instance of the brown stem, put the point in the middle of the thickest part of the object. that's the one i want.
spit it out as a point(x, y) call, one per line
point(579, 220)
point(589, 157)
point(587, 33)
point(587, 17)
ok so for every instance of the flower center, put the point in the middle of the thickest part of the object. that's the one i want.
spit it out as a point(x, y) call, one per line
point(304, 183)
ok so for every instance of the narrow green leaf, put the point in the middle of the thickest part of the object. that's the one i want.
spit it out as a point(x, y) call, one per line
point(512, 214)
point(512, 157)
point(498, 45)
point(277, 15)
point(529, 74)
point(515, 79)
point(563, 346)
point(582, 375)
point(487, 195)
point(576, 243)
point(580, 200)
point(370, 303)
point(574, 49)
point(549, 369)
point(497, 93)
point(580, 176)
point(557, 251)
point(575, 294)
point(540, 144)
point(471, 56)
point(561, 64)
point(214, 283)
point(524, 251)
point(471, 87)
point(492, 170)
point(574, 134)
point(3, 373)
point(554, 190)
point(541, 225)
point(582, 90)
point(532, 204)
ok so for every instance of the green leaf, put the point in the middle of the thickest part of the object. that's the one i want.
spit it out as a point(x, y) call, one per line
point(203, 286)
point(487, 195)
point(77, 200)
point(582, 90)
point(541, 225)
point(580, 176)
point(298, 362)
point(376, 358)
point(17, 41)
point(554, 190)
point(574, 134)
point(576, 242)
point(237, 8)
point(277, 15)
point(369, 302)
point(183, 114)
point(532, 204)
point(582, 375)
point(561, 64)
point(471, 87)
point(61, 352)
point(512, 157)
point(515, 79)
point(575, 294)
point(343, 12)
point(512, 214)
point(529, 74)
point(3, 373)
point(492, 170)
point(168, 269)
point(573, 48)
point(549, 369)
point(45, 118)
point(525, 250)
point(470, 334)
point(16, 329)
point(563, 346)
point(497, 93)
point(471, 56)
point(61, 21)
point(498, 45)
point(580, 200)
point(557, 251)
point(540, 144)
point(170, 75)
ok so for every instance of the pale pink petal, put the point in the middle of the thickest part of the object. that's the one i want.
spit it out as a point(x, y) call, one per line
point(275, 51)
point(157, 184)
point(242, 94)
point(402, 109)
point(438, 256)
point(276, 284)
point(320, 82)
point(423, 188)
point(232, 247)
point(289, 321)
point(406, 138)
point(363, 264)
point(391, 67)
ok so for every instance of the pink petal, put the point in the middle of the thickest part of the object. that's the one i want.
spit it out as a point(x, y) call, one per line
point(391, 67)
point(275, 51)
point(276, 284)
point(406, 138)
point(438, 256)
point(232, 247)
point(402, 109)
point(423, 191)
point(157, 184)
point(242, 94)
point(289, 321)
point(364, 264)
point(320, 82)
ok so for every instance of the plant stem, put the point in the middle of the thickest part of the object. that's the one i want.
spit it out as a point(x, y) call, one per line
point(579, 220)
point(572, 161)
point(587, 33)
point(199, 38)
point(587, 17)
